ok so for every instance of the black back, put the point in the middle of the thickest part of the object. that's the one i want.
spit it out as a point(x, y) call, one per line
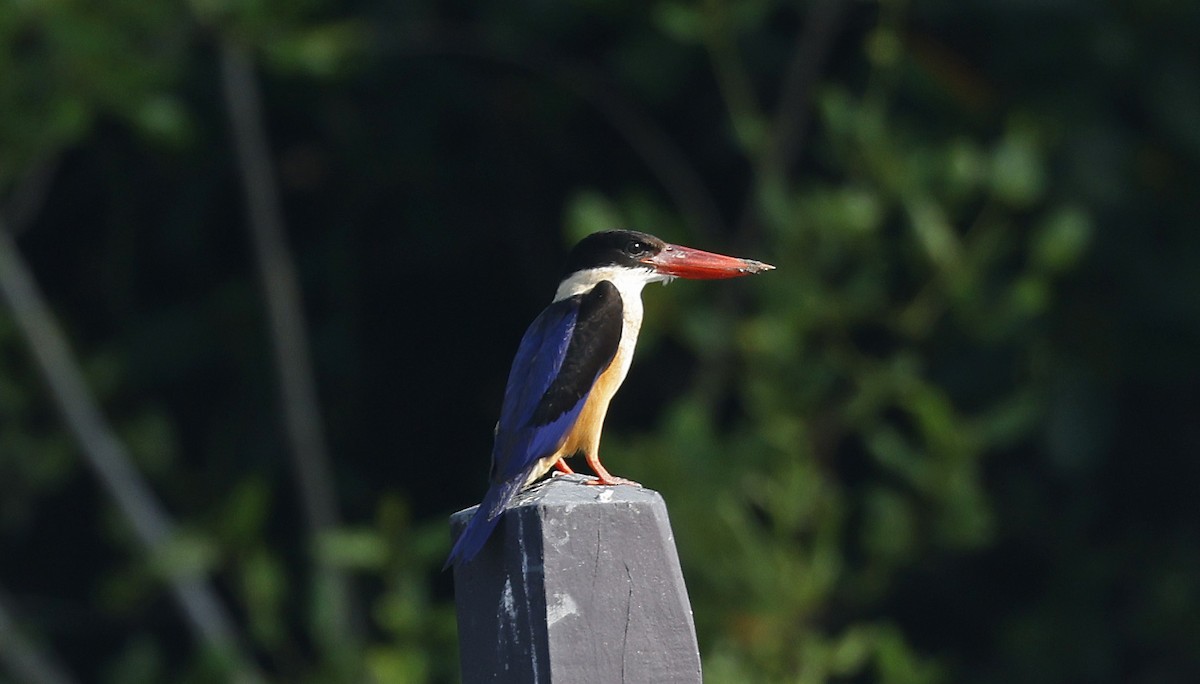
point(592, 347)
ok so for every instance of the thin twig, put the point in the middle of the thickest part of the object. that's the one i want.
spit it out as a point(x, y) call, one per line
point(23, 659)
point(787, 139)
point(645, 136)
point(729, 70)
point(794, 110)
point(302, 416)
point(106, 454)
point(660, 154)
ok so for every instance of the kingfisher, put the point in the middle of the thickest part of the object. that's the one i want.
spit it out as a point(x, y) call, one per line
point(573, 358)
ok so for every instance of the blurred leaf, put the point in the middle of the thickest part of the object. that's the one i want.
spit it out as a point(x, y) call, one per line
point(896, 662)
point(362, 549)
point(1010, 420)
point(936, 235)
point(397, 665)
point(266, 589)
point(244, 519)
point(165, 120)
point(850, 652)
point(883, 47)
point(187, 554)
point(589, 212)
point(400, 611)
point(151, 439)
point(890, 531)
point(966, 168)
point(1018, 174)
point(679, 21)
point(1061, 239)
point(1030, 295)
point(140, 661)
point(323, 50)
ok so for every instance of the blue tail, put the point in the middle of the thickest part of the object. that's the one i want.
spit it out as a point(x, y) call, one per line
point(487, 515)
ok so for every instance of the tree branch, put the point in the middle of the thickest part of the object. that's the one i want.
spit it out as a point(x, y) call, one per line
point(645, 137)
point(281, 289)
point(24, 660)
point(105, 454)
point(649, 141)
point(791, 117)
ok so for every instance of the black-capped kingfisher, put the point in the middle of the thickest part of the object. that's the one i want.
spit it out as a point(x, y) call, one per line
point(573, 358)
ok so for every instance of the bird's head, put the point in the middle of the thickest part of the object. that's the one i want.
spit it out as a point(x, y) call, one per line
point(653, 260)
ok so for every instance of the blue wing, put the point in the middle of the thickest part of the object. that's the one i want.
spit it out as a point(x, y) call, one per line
point(520, 440)
point(562, 353)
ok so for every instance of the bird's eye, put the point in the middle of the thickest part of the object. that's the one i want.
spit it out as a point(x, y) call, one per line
point(636, 248)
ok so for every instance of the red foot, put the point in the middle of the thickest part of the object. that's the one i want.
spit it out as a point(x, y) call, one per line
point(563, 467)
point(612, 481)
point(603, 477)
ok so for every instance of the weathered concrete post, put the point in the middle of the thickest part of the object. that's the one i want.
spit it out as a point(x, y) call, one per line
point(577, 584)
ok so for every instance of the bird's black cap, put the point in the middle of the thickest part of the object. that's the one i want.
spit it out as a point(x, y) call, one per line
point(626, 248)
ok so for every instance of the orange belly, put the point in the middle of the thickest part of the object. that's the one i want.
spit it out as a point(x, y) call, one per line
point(584, 436)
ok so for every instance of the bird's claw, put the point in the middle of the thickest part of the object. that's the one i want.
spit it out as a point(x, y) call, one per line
point(611, 481)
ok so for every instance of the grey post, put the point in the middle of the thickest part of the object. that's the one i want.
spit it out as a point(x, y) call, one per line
point(577, 584)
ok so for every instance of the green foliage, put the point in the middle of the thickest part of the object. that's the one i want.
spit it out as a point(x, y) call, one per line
point(68, 64)
point(36, 458)
point(916, 236)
